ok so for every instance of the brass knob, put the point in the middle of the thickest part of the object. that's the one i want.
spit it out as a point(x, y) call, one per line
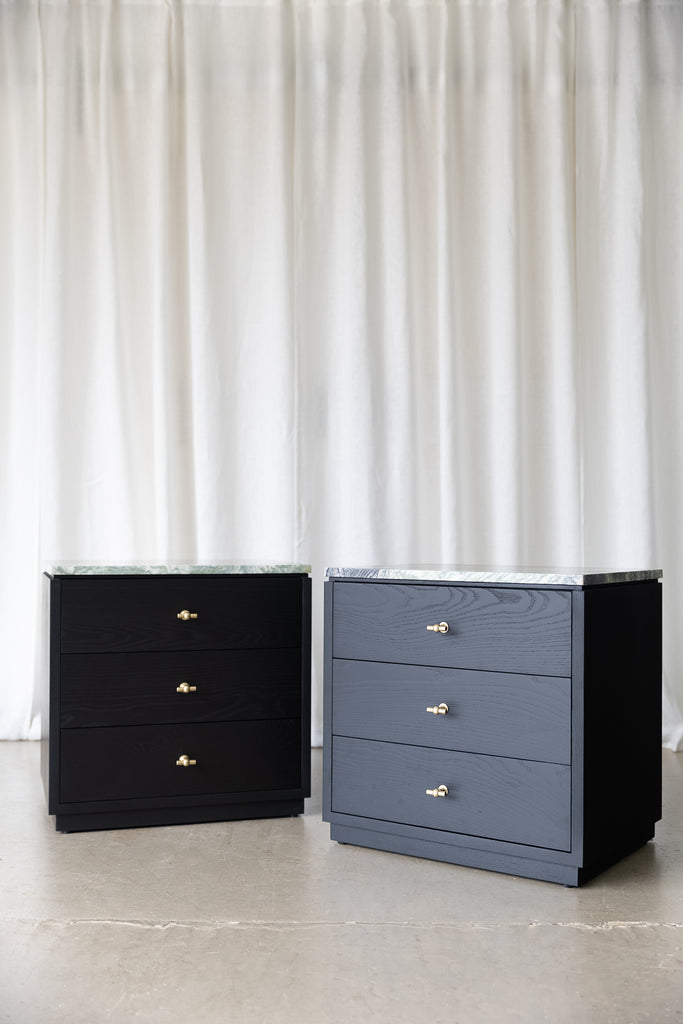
point(184, 761)
point(185, 615)
point(442, 709)
point(441, 791)
point(440, 627)
point(185, 688)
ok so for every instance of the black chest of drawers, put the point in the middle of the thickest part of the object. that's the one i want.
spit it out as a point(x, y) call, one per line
point(508, 726)
point(176, 698)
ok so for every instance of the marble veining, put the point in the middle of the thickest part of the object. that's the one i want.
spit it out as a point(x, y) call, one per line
point(172, 568)
point(547, 576)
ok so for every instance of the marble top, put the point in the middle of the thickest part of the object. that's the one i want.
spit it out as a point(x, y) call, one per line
point(546, 576)
point(171, 568)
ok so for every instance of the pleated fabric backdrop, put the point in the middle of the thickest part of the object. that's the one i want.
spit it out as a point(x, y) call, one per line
point(343, 282)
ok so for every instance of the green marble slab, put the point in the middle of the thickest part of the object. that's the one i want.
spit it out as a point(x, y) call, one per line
point(538, 577)
point(173, 568)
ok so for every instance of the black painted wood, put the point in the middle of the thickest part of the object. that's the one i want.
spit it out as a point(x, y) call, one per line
point(232, 757)
point(134, 689)
point(194, 814)
point(51, 691)
point(495, 797)
point(305, 677)
point(488, 712)
point(117, 613)
point(622, 708)
point(113, 717)
point(497, 629)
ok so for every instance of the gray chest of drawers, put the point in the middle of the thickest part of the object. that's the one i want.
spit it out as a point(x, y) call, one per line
point(502, 720)
point(175, 695)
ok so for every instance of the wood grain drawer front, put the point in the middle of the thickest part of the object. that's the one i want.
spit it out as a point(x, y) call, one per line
point(140, 761)
point(488, 712)
point(499, 629)
point(135, 689)
point(110, 614)
point(492, 797)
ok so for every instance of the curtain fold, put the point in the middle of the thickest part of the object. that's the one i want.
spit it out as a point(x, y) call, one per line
point(344, 281)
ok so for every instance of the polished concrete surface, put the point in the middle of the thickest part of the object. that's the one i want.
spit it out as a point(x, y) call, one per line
point(269, 921)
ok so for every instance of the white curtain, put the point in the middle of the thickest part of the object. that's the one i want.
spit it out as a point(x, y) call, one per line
point(343, 282)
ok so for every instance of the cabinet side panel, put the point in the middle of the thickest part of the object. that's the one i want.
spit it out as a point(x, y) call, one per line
point(306, 685)
point(578, 751)
point(52, 755)
point(327, 700)
point(623, 717)
point(49, 677)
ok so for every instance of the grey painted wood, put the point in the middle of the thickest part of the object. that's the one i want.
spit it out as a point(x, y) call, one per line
point(328, 626)
point(491, 859)
point(459, 839)
point(488, 712)
point(495, 797)
point(603, 807)
point(498, 629)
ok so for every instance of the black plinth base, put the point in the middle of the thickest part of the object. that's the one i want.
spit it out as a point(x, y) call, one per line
point(91, 822)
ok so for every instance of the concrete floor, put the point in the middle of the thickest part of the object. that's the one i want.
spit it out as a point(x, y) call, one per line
point(268, 921)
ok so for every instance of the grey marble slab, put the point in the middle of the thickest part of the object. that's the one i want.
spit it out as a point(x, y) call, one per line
point(539, 577)
point(172, 568)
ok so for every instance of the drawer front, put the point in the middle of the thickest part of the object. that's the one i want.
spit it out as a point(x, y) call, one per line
point(136, 689)
point(488, 712)
point(112, 614)
point(140, 761)
point(497, 629)
point(492, 797)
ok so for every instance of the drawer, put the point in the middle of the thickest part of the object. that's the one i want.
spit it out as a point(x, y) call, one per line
point(497, 629)
point(111, 614)
point(140, 761)
point(488, 712)
point(492, 797)
point(135, 689)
